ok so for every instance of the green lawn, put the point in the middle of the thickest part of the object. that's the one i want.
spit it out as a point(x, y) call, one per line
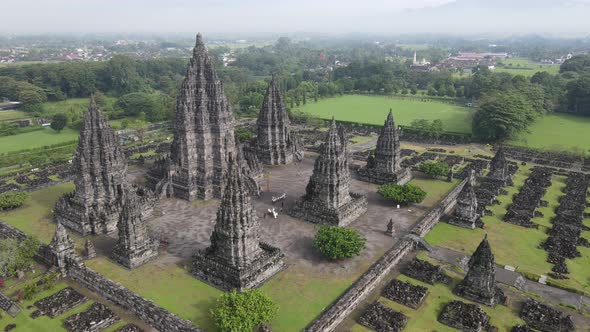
point(558, 132)
point(36, 139)
point(72, 105)
point(522, 66)
point(12, 115)
point(374, 109)
point(516, 245)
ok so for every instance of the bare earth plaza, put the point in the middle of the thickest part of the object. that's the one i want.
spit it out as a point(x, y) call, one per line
point(498, 241)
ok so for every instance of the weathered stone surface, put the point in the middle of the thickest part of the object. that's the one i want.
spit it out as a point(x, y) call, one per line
point(96, 318)
point(328, 199)
point(521, 328)
point(130, 328)
point(425, 272)
point(384, 166)
point(203, 135)
point(405, 293)
point(545, 318)
point(236, 258)
point(62, 248)
point(134, 246)
point(525, 203)
point(60, 302)
point(275, 143)
point(99, 168)
point(390, 229)
point(499, 167)
point(465, 214)
point(9, 306)
point(479, 284)
point(383, 319)
point(89, 250)
point(465, 317)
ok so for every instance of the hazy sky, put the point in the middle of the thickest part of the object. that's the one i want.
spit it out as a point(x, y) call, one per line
point(282, 16)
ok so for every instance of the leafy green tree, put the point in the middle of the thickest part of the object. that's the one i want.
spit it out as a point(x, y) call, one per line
point(243, 134)
point(578, 95)
point(15, 255)
point(434, 168)
point(405, 194)
point(502, 115)
point(420, 124)
point(58, 122)
point(338, 242)
point(12, 199)
point(243, 311)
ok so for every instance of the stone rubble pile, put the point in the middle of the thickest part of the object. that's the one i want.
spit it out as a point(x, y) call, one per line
point(405, 293)
point(544, 318)
point(382, 319)
point(60, 302)
point(425, 272)
point(130, 328)
point(96, 318)
point(466, 317)
point(525, 203)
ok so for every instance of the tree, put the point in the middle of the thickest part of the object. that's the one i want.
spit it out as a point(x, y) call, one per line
point(436, 127)
point(434, 168)
point(338, 242)
point(243, 311)
point(502, 115)
point(59, 121)
point(12, 199)
point(405, 194)
point(243, 134)
point(100, 99)
point(15, 255)
point(578, 95)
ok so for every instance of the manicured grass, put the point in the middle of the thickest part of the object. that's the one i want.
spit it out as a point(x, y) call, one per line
point(167, 285)
point(35, 216)
point(72, 105)
point(522, 66)
point(12, 115)
point(36, 139)
point(425, 318)
point(558, 132)
point(436, 189)
point(374, 109)
point(24, 323)
point(516, 245)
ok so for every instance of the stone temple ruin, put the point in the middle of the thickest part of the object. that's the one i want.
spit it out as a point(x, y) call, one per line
point(327, 199)
point(61, 248)
point(134, 246)
point(479, 284)
point(100, 168)
point(236, 258)
point(385, 165)
point(465, 214)
point(203, 135)
point(275, 144)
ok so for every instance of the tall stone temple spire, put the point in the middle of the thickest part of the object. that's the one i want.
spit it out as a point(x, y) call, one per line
point(499, 167)
point(99, 168)
point(134, 246)
point(465, 214)
point(479, 284)
point(275, 143)
point(236, 259)
point(327, 198)
point(385, 165)
point(203, 134)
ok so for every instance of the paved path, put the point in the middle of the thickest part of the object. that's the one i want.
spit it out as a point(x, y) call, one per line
point(364, 146)
point(515, 279)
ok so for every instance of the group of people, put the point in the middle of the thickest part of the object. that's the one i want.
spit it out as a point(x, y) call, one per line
point(274, 200)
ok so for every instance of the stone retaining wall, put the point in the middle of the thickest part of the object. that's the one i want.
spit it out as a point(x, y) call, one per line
point(332, 316)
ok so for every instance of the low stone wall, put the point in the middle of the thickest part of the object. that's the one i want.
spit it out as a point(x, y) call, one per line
point(146, 310)
point(331, 317)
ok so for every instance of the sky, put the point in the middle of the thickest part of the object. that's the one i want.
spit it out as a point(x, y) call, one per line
point(557, 17)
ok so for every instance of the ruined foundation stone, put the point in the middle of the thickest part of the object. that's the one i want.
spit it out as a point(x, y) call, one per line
point(327, 198)
point(236, 258)
point(425, 272)
point(405, 293)
point(545, 318)
point(96, 318)
point(381, 318)
point(99, 168)
point(275, 143)
point(479, 284)
point(203, 135)
point(384, 166)
point(60, 302)
point(465, 317)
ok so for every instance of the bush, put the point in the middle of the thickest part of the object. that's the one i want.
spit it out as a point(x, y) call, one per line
point(12, 200)
point(402, 194)
point(434, 168)
point(59, 122)
point(243, 134)
point(30, 290)
point(338, 242)
point(243, 311)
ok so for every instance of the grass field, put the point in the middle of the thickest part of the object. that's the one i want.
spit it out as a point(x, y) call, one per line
point(12, 115)
point(36, 139)
point(72, 105)
point(374, 109)
point(522, 66)
point(514, 245)
point(558, 132)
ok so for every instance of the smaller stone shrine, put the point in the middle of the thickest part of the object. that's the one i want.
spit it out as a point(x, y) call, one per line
point(499, 168)
point(465, 214)
point(62, 249)
point(236, 258)
point(135, 247)
point(327, 198)
point(89, 251)
point(384, 166)
point(466, 317)
point(390, 229)
point(479, 284)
